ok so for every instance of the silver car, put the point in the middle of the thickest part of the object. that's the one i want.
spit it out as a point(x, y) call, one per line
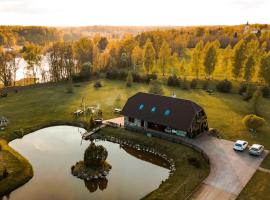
point(256, 149)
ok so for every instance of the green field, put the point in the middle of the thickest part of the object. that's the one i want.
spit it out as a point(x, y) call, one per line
point(257, 188)
point(31, 109)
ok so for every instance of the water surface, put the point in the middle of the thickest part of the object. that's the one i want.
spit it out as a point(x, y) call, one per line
point(52, 151)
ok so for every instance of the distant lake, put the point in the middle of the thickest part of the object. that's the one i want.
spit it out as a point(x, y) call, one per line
point(22, 71)
point(52, 151)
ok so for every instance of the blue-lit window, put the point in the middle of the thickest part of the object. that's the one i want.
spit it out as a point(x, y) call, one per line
point(167, 112)
point(141, 106)
point(154, 109)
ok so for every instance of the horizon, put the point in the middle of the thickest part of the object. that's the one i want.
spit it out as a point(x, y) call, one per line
point(173, 13)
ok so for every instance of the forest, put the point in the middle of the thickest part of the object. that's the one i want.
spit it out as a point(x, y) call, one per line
point(231, 53)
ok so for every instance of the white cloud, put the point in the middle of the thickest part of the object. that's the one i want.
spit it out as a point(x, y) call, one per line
point(135, 12)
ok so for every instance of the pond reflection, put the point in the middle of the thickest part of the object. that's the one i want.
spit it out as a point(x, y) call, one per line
point(94, 184)
point(52, 151)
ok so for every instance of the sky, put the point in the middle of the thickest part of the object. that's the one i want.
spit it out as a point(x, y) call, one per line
point(133, 12)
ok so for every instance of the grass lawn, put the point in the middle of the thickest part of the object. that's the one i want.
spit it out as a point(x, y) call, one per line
point(257, 188)
point(186, 176)
point(30, 109)
point(19, 169)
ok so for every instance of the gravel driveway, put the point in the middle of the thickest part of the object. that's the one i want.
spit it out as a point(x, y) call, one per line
point(230, 170)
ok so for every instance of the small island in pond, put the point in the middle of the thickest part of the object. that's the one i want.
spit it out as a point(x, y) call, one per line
point(94, 165)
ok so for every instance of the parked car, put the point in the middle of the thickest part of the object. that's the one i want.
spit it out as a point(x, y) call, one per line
point(240, 145)
point(117, 110)
point(256, 149)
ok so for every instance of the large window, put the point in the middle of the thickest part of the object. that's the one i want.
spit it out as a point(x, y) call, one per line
point(167, 112)
point(153, 109)
point(141, 106)
point(131, 120)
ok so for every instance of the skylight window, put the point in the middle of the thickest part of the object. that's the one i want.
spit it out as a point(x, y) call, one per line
point(167, 112)
point(141, 107)
point(153, 109)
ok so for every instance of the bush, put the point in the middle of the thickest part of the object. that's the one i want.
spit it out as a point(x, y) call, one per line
point(242, 89)
point(185, 85)
point(253, 122)
point(116, 75)
point(156, 87)
point(69, 85)
point(5, 173)
point(97, 84)
point(173, 81)
point(85, 72)
point(224, 86)
point(249, 93)
point(194, 83)
point(3, 94)
point(138, 78)
point(266, 91)
point(129, 80)
point(150, 77)
point(194, 162)
point(205, 85)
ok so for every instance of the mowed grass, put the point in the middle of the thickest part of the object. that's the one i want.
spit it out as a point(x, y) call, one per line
point(34, 107)
point(38, 106)
point(18, 168)
point(186, 177)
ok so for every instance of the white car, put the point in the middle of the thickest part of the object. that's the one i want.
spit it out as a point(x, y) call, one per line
point(240, 145)
point(256, 149)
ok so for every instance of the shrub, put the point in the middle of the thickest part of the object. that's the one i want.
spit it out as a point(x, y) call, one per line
point(173, 81)
point(205, 85)
point(253, 122)
point(185, 85)
point(85, 72)
point(194, 162)
point(5, 173)
point(249, 93)
point(129, 80)
point(97, 84)
point(224, 86)
point(156, 87)
point(194, 83)
point(116, 75)
point(242, 89)
point(266, 91)
point(69, 85)
point(3, 94)
point(150, 77)
point(137, 77)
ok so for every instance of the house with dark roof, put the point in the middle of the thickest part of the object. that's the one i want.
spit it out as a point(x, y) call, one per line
point(152, 113)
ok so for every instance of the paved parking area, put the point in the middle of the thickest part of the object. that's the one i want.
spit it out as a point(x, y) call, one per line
point(118, 120)
point(230, 170)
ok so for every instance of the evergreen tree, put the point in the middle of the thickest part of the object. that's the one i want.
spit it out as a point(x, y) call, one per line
point(148, 56)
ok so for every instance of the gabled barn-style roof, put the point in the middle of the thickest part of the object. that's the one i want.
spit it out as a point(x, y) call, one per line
point(168, 111)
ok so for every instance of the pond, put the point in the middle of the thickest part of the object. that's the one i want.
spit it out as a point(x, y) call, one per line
point(52, 151)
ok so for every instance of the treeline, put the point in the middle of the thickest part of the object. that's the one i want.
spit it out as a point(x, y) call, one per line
point(199, 52)
point(19, 35)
